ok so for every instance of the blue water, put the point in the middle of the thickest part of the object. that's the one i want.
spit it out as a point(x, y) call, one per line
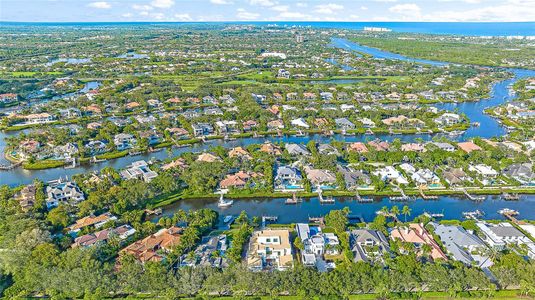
point(451, 207)
point(455, 28)
point(377, 53)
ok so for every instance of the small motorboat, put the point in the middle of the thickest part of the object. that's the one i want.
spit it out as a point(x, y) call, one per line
point(228, 219)
point(224, 203)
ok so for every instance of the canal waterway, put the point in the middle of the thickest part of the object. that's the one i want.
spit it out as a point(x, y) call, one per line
point(474, 110)
point(451, 207)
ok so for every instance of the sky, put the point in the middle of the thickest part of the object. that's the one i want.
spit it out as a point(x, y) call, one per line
point(267, 10)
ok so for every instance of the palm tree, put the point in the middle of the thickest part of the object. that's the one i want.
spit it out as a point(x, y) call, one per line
point(395, 211)
point(406, 211)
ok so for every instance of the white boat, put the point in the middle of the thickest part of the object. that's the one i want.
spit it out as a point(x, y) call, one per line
point(508, 211)
point(224, 203)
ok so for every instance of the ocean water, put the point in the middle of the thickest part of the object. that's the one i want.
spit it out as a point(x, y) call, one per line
point(455, 28)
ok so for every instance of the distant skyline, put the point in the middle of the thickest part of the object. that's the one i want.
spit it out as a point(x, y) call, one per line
point(266, 10)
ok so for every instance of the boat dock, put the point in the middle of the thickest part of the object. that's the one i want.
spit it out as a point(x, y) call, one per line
point(401, 198)
point(315, 220)
point(328, 200)
point(266, 219)
point(10, 167)
point(155, 212)
point(362, 200)
point(473, 198)
point(427, 197)
point(474, 215)
point(510, 197)
point(293, 200)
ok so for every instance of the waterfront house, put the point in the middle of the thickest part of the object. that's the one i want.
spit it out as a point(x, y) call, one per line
point(96, 147)
point(141, 119)
point(320, 178)
point(239, 180)
point(483, 170)
point(344, 124)
point(91, 220)
point(249, 125)
point(353, 178)
point(444, 146)
point(139, 170)
point(226, 127)
point(357, 147)
point(204, 253)
point(154, 247)
point(227, 99)
point(416, 234)
point(521, 172)
point(448, 119)
point(100, 237)
point(66, 151)
point(41, 118)
point(179, 163)
point(367, 123)
point(179, 133)
point(202, 129)
point(70, 113)
point(300, 122)
point(327, 149)
point(389, 173)
point(270, 249)
point(8, 98)
point(296, 149)
point(316, 245)
point(500, 235)
point(455, 176)
point(151, 136)
point(379, 145)
point(63, 192)
point(468, 147)
point(270, 149)
point(275, 125)
point(367, 245)
point(124, 141)
point(240, 153)
point(292, 96)
point(413, 147)
point(288, 178)
point(462, 245)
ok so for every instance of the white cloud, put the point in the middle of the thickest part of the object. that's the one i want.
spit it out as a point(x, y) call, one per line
point(245, 15)
point(511, 11)
point(183, 17)
point(265, 3)
point(142, 7)
point(301, 4)
point(127, 15)
point(221, 2)
point(144, 13)
point(328, 9)
point(280, 8)
point(288, 15)
point(385, 1)
point(408, 10)
point(163, 3)
point(364, 8)
point(100, 5)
